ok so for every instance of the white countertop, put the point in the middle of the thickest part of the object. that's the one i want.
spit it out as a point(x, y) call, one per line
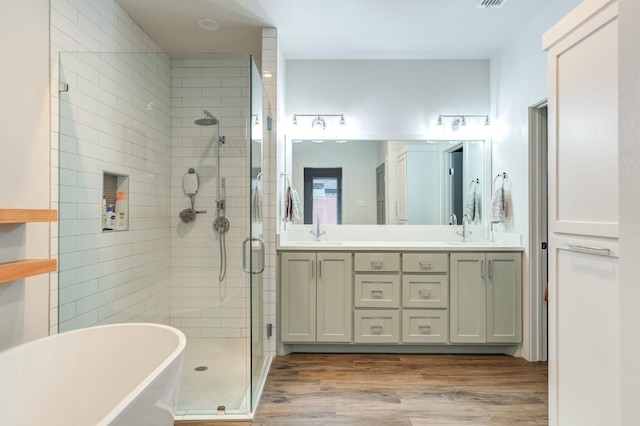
point(396, 246)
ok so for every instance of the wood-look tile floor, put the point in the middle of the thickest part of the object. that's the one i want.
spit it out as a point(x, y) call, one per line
point(394, 389)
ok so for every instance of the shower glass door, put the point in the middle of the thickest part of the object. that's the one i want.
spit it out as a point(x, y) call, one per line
point(136, 243)
point(258, 132)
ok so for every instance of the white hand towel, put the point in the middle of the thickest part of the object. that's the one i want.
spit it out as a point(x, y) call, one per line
point(470, 206)
point(498, 212)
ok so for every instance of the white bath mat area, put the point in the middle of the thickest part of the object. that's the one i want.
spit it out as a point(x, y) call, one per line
point(224, 382)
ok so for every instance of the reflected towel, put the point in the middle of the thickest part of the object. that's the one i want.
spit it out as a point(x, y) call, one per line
point(472, 207)
point(498, 212)
point(297, 212)
point(256, 204)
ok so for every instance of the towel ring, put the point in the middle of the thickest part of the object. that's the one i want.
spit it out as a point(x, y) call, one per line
point(504, 177)
point(476, 181)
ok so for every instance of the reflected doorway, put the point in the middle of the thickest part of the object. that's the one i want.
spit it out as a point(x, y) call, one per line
point(323, 195)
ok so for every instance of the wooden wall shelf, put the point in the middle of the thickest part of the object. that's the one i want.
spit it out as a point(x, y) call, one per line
point(27, 215)
point(12, 271)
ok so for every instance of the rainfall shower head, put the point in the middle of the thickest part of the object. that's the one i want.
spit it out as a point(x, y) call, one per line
point(207, 120)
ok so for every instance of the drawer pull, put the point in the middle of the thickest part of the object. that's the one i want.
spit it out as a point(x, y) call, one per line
point(425, 265)
point(376, 294)
point(377, 264)
point(424, 329)
point(376, 329)
point(425, 294)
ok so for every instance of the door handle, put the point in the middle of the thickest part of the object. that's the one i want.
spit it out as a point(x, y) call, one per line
point(249, 270)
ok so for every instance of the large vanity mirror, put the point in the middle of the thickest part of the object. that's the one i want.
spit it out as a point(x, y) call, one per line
point(355, 182)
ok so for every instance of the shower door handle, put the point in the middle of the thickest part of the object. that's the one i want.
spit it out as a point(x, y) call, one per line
point(244, 256)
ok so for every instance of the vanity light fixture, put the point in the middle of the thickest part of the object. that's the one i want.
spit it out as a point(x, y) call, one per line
point(459, 121)
point(319, 122)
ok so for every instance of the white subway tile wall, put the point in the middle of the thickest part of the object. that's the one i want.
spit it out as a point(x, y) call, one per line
point(269, 179)
point(201, 305)
point(114, 118)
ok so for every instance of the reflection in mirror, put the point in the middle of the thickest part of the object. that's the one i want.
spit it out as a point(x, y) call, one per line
point(432, 182)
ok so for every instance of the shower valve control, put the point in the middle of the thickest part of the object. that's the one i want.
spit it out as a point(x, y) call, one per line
point(221, 224)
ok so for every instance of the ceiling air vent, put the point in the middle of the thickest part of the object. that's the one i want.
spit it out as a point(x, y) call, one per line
point(493, 4)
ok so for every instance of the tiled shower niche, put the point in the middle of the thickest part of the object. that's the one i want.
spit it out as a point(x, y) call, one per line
point(115, 193)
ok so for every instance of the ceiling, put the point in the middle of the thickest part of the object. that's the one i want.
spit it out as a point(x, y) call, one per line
point(337, 29)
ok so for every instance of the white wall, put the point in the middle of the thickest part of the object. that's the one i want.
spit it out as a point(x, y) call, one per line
point(24, 162)
point(518, 81)
point(393, 100)
point(629, 154)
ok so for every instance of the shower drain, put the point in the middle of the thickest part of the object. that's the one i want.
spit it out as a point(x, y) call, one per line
point(201, 368)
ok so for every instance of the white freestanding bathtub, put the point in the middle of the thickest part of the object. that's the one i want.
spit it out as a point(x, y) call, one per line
point(121, 374)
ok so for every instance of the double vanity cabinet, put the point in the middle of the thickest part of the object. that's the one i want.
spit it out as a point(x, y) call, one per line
point(441, 298)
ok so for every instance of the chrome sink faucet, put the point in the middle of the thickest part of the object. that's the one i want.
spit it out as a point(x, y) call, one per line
point(464, 234)
point(453, 219)
point(317, 233)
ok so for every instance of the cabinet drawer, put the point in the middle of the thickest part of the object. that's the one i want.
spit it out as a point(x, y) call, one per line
point(425, 262)
point(425, 326)
point(377, 262)
point(376, 326)
point(377, 291)
point(425, 291)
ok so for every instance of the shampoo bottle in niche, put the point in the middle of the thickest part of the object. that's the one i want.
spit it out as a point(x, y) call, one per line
point(111, 219)
point(105, 221)
point(121, 212)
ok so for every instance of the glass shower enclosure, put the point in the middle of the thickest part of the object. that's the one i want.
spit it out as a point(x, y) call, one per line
point(160, 210)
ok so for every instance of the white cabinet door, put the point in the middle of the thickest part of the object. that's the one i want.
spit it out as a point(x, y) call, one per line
point(298, 297)
point(486, 298)
point(334, 300)
point(583, 128)
point(586, 364)
point(504, 297)
point(468, 299)
point(584, 376)
point(416, 165)
point(316, 297)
